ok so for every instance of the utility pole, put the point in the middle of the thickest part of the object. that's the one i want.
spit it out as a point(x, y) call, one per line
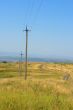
point(26, 30)
point(20, 63)
point(21, 55)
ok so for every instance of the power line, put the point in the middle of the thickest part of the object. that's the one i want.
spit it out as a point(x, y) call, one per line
point(37, 11)
point(31, 9)
point(27, 11)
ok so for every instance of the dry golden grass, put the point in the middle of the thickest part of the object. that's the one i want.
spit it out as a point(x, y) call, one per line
point(44, 89)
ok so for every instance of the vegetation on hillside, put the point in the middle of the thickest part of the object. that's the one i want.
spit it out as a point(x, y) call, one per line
point(45, 89)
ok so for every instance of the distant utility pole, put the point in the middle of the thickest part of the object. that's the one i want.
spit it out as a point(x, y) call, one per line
point(26, 30)
point(20, 63)
point(21, 55)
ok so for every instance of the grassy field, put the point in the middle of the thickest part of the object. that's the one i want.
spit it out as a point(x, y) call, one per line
point(49, 86)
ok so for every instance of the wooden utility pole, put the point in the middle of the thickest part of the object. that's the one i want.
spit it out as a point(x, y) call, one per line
point(20, 63)
point(26, 30)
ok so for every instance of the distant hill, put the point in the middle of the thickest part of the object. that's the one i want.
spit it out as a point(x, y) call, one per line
point(32, 59)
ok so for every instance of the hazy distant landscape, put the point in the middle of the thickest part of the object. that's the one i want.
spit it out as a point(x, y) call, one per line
point(35, 59)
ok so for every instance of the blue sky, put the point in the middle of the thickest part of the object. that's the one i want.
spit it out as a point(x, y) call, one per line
point(51, 24)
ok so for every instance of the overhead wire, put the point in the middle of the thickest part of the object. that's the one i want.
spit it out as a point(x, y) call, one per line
point(26, 13)
point(31, 10)
point(30, 16)
point(37, 11)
